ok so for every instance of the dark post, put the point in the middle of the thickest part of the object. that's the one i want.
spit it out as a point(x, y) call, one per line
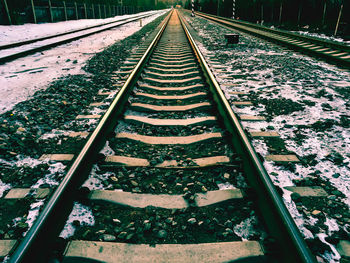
point(99, 11)
point(104, 8)
point(93, 11)
point(218, 12)
point(339, 16)
point(192, 4)
point(109, 11)
point(50, 11)
point(85, 11)
point(65, 10)
point(299, 13)
point(7, 12)
point(33, 10)
point(280, 18)
point(324, 12)
point(76, 10)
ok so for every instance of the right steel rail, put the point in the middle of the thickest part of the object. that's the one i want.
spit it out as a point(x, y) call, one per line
point(328, 50)
point(278, 219)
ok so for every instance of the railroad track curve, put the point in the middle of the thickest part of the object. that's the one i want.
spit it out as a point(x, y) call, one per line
point(183, 182)
point(329, 51)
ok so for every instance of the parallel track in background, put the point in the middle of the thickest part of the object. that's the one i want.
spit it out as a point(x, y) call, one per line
point(170, 89)
point(329, 51)
point(20, 49)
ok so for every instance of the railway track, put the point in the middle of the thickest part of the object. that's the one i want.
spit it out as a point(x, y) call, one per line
point(192, 185)
point(16, 50)
point(328, 50)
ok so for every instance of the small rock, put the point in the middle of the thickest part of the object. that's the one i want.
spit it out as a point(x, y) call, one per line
point(122, 235)
point(228, 230)
point(336, 175)
point(169, 220)
point(113, 178)
point(162, 234)
point(315, 212)
point(228, 223)
point(227, 176)
point(295, 196)
point(116, 221)
point(21, 129)
point(192, 221)
point(134, 183)
point(332, 197)
point(132, 224)
point(337, 193)
point(108, 237)
point(130, 236)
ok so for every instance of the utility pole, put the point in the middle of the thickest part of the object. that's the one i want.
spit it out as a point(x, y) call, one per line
point(299, 13)
point(281, 8)
point(233, 8)
point(340, 12)
point(324, 12)
point(217, 13)
point(7, 12)
point(192, 1)
point(33, 10)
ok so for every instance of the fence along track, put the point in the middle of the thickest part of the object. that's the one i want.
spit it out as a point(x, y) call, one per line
point(159, 115)
point(329, 51)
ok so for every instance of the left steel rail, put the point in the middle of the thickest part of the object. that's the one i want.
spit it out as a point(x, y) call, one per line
point(38, 241)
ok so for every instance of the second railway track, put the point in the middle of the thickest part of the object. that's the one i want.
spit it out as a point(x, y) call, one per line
point(330, 51)
point(16, 50)
point(171, 144)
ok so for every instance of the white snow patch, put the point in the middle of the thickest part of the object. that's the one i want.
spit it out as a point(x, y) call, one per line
point(28, 162)
point(80, 213)
point(107, 150)
point(225, 186)
point(95, 180)
point(333, 257)
point(298, 218)
point(56, 170)
point(3, 188)
point(33, 213)
point(332, 225)
point(57, 133)
point(246, 228)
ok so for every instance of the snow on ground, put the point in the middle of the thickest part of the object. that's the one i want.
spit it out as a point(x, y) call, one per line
point(332, 38)
point(17, 33)
point(22, 77)
point(305, 100)
point(81, 214)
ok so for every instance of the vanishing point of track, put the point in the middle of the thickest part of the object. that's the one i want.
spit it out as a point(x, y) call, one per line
point(170, 88)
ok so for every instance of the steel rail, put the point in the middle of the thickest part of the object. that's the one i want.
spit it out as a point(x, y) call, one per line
point(323, 42)
point(288, 39)
point(37, 243)
point(25, 42)
point(8, 58)
point(278, 220)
